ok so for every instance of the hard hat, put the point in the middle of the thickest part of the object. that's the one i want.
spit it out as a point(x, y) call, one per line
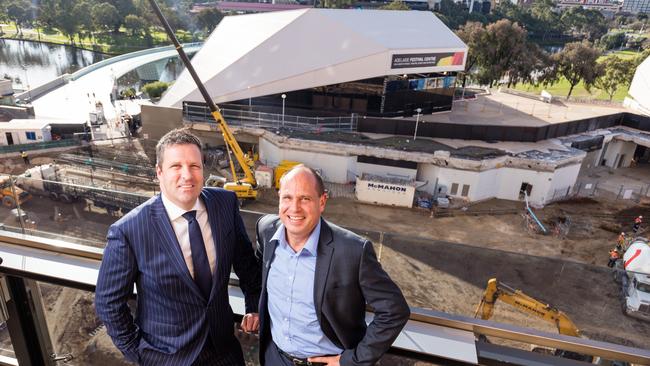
point(623, 234)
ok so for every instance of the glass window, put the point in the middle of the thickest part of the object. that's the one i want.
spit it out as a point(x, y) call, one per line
point(31, 135)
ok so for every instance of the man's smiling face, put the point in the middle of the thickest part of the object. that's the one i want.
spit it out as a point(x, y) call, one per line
point(300, 205)
point(181, 174)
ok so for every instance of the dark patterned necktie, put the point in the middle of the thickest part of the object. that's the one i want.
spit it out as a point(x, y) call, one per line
point(202, 272)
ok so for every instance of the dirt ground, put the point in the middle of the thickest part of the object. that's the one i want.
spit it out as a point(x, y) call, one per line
point(440, 263)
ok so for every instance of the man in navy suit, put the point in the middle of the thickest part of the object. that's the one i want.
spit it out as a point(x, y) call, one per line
point(178, 249)
point(317, 280)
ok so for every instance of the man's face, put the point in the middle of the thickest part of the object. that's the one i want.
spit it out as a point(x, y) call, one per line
point(300, 205)
point(181, 174)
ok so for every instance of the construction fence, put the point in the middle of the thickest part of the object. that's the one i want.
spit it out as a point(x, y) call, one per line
point(632, 192)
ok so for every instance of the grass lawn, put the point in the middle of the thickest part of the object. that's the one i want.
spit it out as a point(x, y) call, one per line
point(102, 42)
point(561, 89)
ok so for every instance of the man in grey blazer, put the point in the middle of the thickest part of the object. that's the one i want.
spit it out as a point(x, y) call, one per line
point(178, 249)
point(317, 279)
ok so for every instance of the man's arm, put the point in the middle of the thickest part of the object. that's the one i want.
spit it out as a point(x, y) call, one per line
point(390, 307)
point(246, 265)
point(115, 281)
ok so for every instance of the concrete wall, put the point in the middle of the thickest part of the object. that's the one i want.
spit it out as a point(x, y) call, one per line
point(19, 136)
point(619, 153)
point(386, 171)
point(334, 168)
point(511, 179)
point(157, 121)
point(564, 178)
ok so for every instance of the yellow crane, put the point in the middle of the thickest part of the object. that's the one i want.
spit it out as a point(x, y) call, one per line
point(246, 187)
point(500, 291)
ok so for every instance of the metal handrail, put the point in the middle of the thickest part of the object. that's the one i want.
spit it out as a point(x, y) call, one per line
point(476, 326)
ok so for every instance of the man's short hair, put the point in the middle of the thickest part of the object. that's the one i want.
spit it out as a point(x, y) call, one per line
point(320, 186)
point(178, 136)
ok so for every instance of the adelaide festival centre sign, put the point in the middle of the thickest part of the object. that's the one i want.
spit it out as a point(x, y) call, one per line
point(402, 61)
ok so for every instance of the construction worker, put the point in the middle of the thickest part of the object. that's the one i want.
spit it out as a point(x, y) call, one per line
point(620, 242)
point(637, 224)
point(23, 155)
point(613, 257)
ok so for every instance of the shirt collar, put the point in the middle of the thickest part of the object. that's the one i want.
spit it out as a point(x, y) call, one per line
point(311, 245)
point(174, 212)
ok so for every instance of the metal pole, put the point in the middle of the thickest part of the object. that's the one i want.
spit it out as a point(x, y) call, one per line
point(18, 209)
point(417, 120)
point(284, 96)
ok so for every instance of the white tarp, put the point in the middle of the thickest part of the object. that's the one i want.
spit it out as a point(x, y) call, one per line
point(263, 54)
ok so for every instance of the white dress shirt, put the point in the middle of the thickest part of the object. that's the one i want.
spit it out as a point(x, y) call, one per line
point(180, 226)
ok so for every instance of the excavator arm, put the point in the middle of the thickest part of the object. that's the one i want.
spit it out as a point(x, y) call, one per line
point(499, 291)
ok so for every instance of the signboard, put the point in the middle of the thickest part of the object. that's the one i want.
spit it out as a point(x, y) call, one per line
point(403, 61)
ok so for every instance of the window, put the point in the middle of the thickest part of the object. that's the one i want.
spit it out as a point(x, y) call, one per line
point(454, 189)
point(465, 191)
point(31, 135)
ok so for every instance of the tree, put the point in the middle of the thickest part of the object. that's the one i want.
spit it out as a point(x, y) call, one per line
point(67, 21)
point(505, 43)
point(588, 22)
point(82, 10)
point(395, 5)
point(614, 72)
point(612, 40)
point(155, 89)
point(577, 62)
point(106, 16)
point(452, 14)
point(19, 11)
point(208, 19)
point(474, 36)
point(135, 24)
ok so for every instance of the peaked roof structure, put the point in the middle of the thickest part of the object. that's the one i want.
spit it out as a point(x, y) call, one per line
point(262, 54)
point(640, 87)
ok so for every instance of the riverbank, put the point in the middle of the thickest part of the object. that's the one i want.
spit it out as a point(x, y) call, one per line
point(111, 44)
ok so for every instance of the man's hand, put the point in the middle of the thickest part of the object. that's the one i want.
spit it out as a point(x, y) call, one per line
point(250, 323)
point(328, 360)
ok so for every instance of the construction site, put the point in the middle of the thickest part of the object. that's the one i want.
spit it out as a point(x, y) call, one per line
point(426, 251)
point(490, 209)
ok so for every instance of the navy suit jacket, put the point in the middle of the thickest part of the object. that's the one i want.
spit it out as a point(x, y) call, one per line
point(173, 319)
point(348, 276)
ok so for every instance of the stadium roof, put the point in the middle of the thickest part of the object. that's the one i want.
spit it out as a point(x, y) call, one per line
point(640, 87)
point(262, 54)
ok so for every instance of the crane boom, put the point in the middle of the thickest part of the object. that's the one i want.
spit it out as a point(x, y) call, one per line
point(500, 291)
point(245, 162)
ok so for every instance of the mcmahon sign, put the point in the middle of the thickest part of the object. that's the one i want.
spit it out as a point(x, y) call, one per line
point(386, 187)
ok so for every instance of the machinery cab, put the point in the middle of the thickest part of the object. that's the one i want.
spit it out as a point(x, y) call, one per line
point(637, 297)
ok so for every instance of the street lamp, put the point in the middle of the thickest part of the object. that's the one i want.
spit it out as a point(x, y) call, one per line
point(29, 91)
point(417, 120)
point(284, 96)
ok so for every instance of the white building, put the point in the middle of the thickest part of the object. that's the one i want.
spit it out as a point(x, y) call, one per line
point(29, 131)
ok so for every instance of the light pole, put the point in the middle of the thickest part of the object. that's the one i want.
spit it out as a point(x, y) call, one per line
point(29, 91)
point(284, 96)
point(417, 120)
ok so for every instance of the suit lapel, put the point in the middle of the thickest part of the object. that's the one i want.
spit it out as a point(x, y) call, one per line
point(269, 250)
point(169, 243)
point(323, 261)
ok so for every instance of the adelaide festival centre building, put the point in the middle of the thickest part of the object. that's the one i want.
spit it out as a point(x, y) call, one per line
point(370, 96)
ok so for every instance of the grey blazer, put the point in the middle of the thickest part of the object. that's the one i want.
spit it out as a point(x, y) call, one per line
point(348, 276)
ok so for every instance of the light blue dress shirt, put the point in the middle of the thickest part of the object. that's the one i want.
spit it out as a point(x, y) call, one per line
point(290, 285)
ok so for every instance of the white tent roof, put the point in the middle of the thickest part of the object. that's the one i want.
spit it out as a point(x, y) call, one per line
point(640, 87)
point(261, 54)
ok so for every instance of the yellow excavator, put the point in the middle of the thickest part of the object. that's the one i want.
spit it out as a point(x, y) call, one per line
point(246, 187)
point(500, 291)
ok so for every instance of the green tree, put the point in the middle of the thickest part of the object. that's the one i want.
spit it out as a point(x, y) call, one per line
point(612, 40)
point(105, 16)
point(577, 62)
point(452, 14)
point(474, 35)
point(395, 5)
point(135, 24)
point(208, 19)
point(588, 22)
point(67, 21)
point(82, 9)
point(19, 12)
point(505, 44)
point(614, 72)
point(155, 89)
